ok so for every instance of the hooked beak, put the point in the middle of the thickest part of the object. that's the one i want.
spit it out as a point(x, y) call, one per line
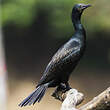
point(86, 6)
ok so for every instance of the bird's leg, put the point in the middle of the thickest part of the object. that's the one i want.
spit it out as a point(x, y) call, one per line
point(62, 88)
point(67, 86)
point(59, 90)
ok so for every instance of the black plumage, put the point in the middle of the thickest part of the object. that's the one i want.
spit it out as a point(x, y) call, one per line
point(64, 61)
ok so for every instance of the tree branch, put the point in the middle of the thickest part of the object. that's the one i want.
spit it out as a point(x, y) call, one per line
point(72, 98)
point(101, 102)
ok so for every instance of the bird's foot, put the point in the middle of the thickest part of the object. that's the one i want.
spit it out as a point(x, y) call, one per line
point(62, 88)
point(57, 95)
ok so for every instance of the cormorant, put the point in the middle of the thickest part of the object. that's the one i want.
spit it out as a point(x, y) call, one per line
point(64, 61)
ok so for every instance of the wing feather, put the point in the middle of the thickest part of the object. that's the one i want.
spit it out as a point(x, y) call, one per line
point(70, 49)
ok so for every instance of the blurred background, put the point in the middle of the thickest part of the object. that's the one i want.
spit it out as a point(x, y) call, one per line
point(32, 32)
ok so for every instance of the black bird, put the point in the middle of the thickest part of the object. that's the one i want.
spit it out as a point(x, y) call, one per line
point(63, 62)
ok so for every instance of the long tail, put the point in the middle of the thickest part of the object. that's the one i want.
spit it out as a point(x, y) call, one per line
point(35, 96)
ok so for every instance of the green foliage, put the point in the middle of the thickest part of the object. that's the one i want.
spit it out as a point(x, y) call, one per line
point(19, 12)
point(23, 12)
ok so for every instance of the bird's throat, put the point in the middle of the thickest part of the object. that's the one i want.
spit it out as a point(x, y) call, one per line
point(78, 26)
point(79, 29)
point(76, 19)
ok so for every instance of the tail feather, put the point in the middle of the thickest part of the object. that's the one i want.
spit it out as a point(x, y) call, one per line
point(26, 99)
point(41, 95)
point(34, 97)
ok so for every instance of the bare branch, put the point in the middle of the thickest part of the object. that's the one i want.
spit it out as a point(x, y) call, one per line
point(72, 98)
point(101, 102)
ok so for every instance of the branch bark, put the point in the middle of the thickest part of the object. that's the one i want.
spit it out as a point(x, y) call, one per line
point(100, 102)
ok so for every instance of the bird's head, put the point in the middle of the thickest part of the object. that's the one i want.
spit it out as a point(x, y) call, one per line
point(78, 9)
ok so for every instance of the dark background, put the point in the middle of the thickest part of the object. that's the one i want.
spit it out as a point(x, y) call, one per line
point(33, 31)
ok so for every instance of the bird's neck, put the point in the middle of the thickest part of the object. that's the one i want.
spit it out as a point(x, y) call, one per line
point(76, 19)
point(78, 26)
point(79, 29)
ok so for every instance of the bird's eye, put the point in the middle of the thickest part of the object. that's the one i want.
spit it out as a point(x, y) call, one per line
point(81, 6)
